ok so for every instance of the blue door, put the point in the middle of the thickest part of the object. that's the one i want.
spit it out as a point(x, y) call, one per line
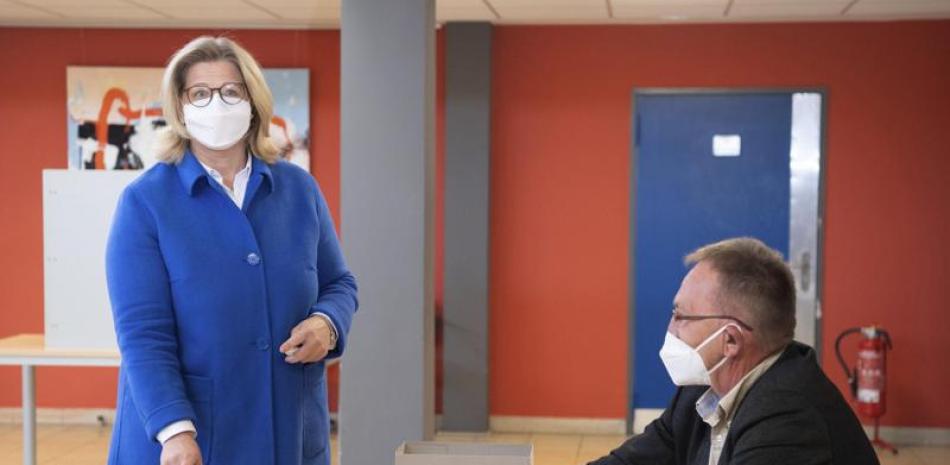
point(706, 167)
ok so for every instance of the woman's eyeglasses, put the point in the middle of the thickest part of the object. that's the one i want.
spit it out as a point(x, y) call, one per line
point(231, 93)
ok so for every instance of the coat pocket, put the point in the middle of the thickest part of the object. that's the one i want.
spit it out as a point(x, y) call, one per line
point(316, 424)
point(200, 391)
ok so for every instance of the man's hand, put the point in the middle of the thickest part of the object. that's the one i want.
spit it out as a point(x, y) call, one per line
point(181, 449)
point(309, 341)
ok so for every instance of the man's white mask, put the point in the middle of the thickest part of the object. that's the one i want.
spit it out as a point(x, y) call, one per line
point(684, 364)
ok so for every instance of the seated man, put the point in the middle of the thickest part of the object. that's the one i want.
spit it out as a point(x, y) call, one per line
point(748, 393)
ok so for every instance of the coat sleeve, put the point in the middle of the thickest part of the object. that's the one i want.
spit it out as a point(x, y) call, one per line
point(783, 434)
point(143, 317)
point(337, 297)
point(655, 446)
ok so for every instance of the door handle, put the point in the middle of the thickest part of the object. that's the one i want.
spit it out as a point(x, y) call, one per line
point(804, 271)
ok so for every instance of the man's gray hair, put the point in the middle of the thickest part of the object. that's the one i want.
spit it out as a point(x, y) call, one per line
point(754, 283)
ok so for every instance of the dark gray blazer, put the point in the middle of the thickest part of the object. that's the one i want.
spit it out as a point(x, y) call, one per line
point(792, 415)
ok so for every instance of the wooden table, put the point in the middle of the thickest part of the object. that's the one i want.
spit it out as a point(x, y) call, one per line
point(29, 351)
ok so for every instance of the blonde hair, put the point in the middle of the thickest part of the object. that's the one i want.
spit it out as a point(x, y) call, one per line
point(173, 140)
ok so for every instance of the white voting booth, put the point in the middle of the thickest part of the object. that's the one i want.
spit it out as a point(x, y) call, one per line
point(77, 214)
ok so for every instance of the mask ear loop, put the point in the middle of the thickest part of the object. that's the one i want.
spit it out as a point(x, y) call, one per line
point(710, 338)
point(718, 365)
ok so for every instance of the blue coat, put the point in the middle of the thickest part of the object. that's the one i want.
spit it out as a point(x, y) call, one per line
point(203, 294)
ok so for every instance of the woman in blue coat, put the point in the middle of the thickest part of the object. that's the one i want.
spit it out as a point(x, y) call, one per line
point(227, 283)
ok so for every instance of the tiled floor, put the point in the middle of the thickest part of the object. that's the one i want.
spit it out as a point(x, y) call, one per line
point(87, 445)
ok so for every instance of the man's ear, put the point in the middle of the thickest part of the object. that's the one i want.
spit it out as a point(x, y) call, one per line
point(735, 341)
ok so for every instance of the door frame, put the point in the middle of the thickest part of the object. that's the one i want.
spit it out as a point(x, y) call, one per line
point(631, 196)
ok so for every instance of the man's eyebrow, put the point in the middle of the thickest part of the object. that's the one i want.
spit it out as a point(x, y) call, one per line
point(679, 309)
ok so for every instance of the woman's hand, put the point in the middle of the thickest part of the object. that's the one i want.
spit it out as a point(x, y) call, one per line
point(181, 449)
point(309, 341)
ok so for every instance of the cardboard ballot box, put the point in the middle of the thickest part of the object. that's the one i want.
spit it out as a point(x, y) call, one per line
point(463, 453)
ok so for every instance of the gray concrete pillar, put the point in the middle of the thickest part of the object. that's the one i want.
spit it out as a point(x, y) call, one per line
point(387, 197)
point(467, 180)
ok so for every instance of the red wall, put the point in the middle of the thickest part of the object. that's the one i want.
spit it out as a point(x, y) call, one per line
point(560, 184)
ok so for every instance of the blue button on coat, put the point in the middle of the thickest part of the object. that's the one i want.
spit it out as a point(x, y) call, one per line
point(199, 321)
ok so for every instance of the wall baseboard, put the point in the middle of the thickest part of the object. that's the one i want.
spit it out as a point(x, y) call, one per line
point(517, 424)
point(912, 436)
point(60, 416)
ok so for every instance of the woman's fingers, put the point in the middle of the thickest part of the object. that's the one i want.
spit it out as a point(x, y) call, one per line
point(309, 342)
point(297, 337)
point(312, 350)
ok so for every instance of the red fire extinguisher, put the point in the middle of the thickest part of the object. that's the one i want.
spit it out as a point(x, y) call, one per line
point(867, 379)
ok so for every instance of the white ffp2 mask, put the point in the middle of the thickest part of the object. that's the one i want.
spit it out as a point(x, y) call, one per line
point(684, 364)
point(218, 125)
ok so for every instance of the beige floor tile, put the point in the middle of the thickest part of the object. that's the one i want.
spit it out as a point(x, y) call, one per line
point(11, 457)
point(334, 445)
point(9, 441)
point(556, 441)
point(555, 449)
point(595, 447)
point(606, 440)
point(902, 458)
point(86, 458)
point(6, 429)
point(930, 455)
point(602, 443)
point(589, 455)
point(554, 459)
point(510, 438)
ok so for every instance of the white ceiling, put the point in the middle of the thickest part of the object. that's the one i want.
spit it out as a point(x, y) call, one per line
point(326, 13)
